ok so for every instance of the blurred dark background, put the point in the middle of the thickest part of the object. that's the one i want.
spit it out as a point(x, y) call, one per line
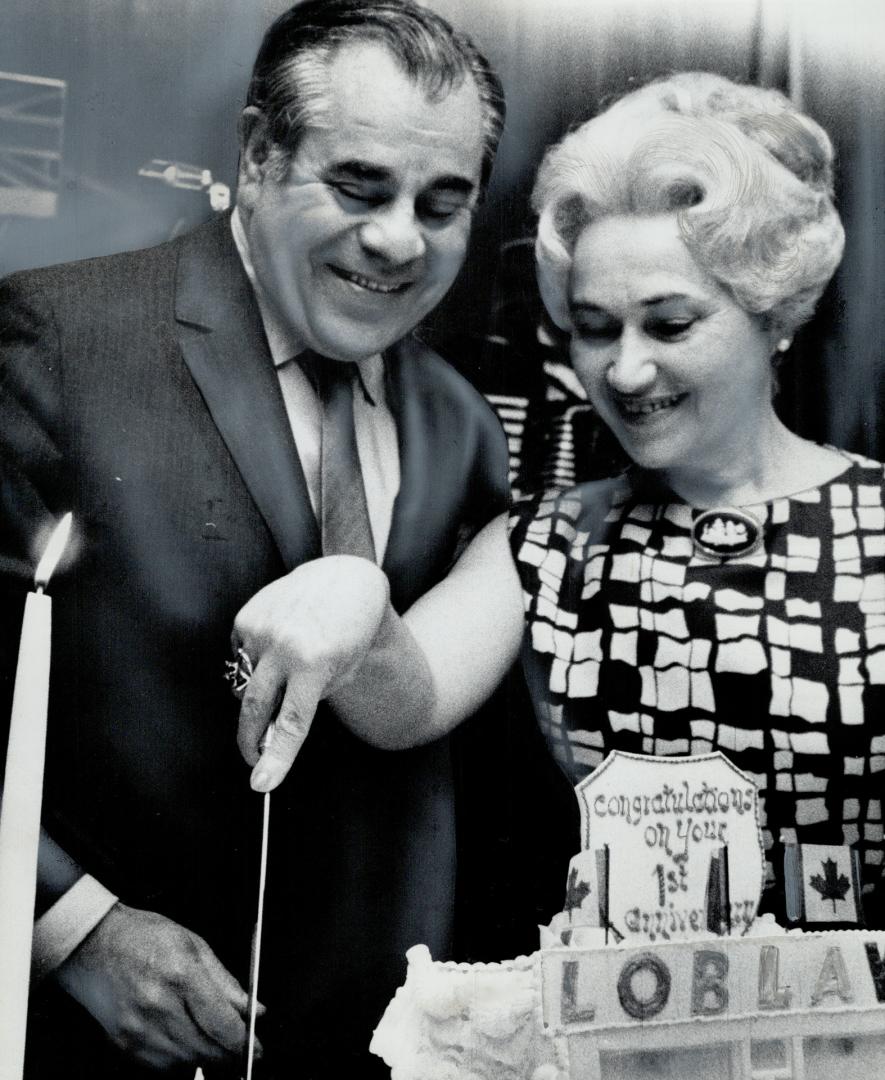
point(93, 92)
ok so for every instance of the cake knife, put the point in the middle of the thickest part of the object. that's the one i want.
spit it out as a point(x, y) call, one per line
point(255, 962)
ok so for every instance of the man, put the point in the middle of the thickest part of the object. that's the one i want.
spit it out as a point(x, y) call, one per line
point(177, 400)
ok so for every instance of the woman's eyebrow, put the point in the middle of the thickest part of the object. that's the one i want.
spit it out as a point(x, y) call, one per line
point(665, 298)
point(588, 306)
point(657, 300)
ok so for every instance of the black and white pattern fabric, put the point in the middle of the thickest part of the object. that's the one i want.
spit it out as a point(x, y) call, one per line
point(777, 658)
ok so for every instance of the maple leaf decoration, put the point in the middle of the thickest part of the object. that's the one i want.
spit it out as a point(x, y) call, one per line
point(575, 892)
point(830, 886)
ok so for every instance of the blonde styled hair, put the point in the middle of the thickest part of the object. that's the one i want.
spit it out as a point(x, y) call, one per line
point(749, 178)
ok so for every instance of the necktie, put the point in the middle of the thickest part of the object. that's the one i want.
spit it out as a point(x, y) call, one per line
point(343, 511)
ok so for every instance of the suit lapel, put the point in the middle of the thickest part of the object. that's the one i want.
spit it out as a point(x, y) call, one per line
point(425, 508)
point(223, 343)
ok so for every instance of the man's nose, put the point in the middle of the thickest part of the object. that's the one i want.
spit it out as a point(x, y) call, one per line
point(394, 234)
point(632, 370)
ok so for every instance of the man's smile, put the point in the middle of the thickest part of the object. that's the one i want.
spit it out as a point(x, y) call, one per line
point(371, 284)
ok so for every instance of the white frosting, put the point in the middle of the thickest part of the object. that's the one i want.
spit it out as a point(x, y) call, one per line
point(463, 1022)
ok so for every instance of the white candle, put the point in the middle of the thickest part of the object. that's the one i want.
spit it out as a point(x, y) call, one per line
point(20, 811)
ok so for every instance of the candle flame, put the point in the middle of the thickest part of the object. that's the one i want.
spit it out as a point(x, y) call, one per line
point(54, 551)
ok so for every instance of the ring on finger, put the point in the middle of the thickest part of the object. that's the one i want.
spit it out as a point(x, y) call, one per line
point(238, 672)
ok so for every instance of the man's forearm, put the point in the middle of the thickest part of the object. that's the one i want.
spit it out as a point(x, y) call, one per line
point(70, 904)
point(56, 873)
point(68, 923)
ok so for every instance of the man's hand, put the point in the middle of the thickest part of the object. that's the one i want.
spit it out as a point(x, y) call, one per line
point(306, 634)
point(158, 990)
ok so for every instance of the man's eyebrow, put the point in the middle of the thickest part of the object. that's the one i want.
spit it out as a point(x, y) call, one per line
point(355, 169)
point(360, 170)
point(459, 184)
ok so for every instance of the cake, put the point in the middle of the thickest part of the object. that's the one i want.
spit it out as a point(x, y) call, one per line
point(684, 981)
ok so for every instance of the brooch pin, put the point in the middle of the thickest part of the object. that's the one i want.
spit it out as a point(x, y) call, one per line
point(726, 533)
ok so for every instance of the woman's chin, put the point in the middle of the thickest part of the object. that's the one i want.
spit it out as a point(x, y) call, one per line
point(652, 457)
point(654, 439)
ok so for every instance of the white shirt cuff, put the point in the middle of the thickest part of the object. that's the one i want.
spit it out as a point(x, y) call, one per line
point(71, 918)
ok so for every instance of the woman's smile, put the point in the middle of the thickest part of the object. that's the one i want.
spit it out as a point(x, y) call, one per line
point(642, 411)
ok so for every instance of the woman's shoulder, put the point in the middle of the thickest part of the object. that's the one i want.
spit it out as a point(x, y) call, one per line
point(555, 516)
point(854, 495)
point(860, 470)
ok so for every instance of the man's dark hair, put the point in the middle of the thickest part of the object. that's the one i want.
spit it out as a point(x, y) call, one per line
point(288, 77)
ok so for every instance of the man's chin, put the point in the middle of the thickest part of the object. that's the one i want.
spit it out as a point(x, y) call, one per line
point(354, 347)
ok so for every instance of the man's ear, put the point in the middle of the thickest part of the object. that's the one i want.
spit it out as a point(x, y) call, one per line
point(255, 145)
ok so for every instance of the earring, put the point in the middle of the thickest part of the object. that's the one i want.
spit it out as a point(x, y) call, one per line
point(783, 345)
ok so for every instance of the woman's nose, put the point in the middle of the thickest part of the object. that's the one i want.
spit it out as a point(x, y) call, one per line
point(393, 234)
point(632, 370)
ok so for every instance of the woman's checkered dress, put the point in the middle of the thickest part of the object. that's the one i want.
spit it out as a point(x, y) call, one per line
point(777, 658)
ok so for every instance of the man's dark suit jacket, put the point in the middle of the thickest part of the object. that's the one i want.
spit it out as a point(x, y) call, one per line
point(138, 391)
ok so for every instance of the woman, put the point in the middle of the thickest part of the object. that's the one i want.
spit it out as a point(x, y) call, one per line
point(728, 591)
